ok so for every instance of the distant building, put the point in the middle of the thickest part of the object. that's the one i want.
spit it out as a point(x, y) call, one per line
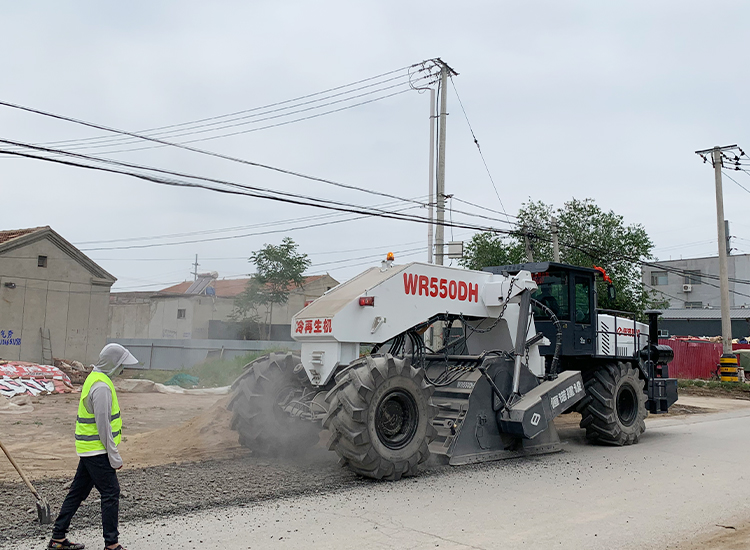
point(49, 287)
point(703, 322)
point(691, 287)
point(695, 285)
point(202, 309)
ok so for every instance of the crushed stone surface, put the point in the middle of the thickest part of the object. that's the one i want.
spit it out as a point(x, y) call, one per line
point(177, 489)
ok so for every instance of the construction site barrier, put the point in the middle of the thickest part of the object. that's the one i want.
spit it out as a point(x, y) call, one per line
point(728, 368)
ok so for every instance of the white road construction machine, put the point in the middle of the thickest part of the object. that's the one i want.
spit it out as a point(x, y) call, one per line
point(405, 363)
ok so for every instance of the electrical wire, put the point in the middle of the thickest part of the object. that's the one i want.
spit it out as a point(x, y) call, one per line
point(229, 229)
point(211, 180)
point(244, 190)
point(476, 142)
point(251, 130)
point(178, 145)
point(232, 237)
point(245, 111)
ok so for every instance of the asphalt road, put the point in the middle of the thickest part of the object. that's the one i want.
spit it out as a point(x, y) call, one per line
point(684, 478)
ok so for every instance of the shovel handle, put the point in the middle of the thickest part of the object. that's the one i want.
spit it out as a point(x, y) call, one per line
point(20, 472)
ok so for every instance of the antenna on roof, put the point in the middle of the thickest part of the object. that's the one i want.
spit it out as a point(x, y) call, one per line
point(195, 270)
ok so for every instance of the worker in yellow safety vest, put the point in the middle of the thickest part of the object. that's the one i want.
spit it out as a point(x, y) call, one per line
point(98, 433)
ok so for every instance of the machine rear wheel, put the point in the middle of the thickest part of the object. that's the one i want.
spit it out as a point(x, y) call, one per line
point(260, 396)
point(380, 417)
point(614, 410)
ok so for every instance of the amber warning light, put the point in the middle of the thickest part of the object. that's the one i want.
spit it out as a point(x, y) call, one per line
point(389, 257)
point(367, 300)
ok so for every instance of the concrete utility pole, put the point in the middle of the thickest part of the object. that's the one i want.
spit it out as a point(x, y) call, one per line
point(726, 321)
point(445, 72)
point(430, 226)
point(440, 229)
point(555, 243)
point(195, 271)
point(527, 243)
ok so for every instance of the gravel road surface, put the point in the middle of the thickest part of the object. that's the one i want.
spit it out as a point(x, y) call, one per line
point(683, 481)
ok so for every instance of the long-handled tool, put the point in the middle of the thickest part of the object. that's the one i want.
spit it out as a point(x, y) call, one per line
point(42, 506)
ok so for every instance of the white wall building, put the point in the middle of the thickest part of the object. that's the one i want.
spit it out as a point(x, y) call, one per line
point(200, 309)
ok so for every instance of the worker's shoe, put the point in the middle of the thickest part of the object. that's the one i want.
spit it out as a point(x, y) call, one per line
point(118, 547)
point(65, 545)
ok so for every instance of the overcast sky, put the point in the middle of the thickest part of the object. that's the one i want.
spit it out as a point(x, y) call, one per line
point(601, 100)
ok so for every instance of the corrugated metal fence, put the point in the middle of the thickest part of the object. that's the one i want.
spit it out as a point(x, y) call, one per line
point(695, 358)
point(183, 354)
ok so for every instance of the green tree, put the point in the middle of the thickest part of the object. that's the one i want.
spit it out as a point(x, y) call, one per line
point(278, 269)
point(485, 249)
point(588, 237)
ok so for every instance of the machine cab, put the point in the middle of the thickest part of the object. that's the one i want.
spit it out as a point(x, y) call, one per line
point(569, 291)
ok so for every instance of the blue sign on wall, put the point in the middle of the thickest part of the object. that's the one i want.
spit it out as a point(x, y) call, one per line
point(6, 338)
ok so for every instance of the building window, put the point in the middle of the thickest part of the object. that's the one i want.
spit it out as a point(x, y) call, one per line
point(693, 305)
point(658, 278)
point(180, 313)
point(692, 276)
point(41, 261)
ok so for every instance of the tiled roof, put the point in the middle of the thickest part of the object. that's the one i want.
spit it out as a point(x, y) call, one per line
point(10, 234)
point(225, 288)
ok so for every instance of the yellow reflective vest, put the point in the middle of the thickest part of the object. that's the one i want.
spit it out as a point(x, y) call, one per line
point(87, 436)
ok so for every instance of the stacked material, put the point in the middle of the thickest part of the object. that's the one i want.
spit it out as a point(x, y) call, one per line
point(21, 377)
point(75, 370)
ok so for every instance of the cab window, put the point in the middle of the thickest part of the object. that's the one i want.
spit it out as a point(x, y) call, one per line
point(583, 300)
point(552, 291)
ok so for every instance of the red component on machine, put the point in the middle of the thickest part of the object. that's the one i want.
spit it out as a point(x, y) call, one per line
point(367, 300)
point(604, 274)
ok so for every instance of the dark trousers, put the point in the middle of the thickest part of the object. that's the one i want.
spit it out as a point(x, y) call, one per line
point(93, 471)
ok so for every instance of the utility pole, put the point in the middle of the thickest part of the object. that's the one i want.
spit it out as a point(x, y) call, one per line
point(527, 243)
point(726, 323)
point(431, 186)
point(445, 72)
point(195, 270)
point(555, 243)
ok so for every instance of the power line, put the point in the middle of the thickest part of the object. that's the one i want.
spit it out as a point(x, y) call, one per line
point(293, 196)
point(735, 181)
point(180, 146)
point(224, 124)
point(245, 111)
point(255, 189)
point(476, 142)
point(230, 237)
point(244, 190)
point(230, 229)
point(488, 210)
point(251, 130)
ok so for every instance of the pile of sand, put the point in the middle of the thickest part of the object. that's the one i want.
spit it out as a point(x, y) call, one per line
point(203, 437)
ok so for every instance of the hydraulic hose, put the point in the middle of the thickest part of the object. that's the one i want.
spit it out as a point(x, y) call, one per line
point(552, 374)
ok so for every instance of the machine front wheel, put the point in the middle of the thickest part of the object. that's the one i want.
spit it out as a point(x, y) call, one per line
point(380, 417)
point(261, 398)
point(614, 410)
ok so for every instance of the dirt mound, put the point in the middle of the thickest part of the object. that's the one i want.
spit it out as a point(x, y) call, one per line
point(203, 437)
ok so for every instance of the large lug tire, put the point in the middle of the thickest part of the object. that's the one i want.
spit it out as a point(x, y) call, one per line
point(380, 417)
point(257, 416)
point(614, 409)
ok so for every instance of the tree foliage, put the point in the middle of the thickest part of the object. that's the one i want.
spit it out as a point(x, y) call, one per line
point(278, 269)
point(588, 237)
